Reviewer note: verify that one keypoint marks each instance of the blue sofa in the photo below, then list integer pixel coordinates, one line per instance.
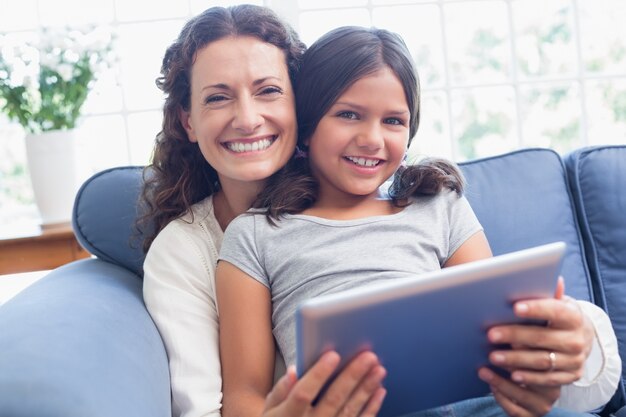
(80, 342)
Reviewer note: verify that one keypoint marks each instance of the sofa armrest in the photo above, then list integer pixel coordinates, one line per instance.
(80, 343)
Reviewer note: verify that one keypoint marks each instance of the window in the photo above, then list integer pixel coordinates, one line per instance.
(496, 75)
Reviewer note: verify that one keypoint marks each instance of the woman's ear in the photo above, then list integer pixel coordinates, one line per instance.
(185, 121)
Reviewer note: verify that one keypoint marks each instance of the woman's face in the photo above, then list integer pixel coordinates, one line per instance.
(242, 112)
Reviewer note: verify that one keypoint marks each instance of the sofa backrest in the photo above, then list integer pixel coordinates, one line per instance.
(522, 199)
(104, 216)
(597, 178)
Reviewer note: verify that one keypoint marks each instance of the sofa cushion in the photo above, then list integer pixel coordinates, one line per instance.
(598, 180)
(104, 216)
(522, 200)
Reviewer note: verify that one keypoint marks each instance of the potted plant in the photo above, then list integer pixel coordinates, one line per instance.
(43, 86)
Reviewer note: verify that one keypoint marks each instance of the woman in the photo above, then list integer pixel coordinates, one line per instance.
(229, 103)
(229, 123)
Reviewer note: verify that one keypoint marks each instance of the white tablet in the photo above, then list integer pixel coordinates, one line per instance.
(429, 332)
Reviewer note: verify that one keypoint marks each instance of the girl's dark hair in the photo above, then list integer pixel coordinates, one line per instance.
(179, 175)
(329, 67)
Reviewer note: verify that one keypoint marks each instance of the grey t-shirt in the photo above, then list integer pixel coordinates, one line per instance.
(307, 256)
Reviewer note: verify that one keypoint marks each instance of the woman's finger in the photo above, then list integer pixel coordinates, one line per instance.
(509, 407)
(514, 397)
(548, 379)
(559, 313)
(537, 360)
(528, 337)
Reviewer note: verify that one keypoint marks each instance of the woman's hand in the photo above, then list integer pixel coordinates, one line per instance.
(520, 400)
(357, 390)
(542, 358)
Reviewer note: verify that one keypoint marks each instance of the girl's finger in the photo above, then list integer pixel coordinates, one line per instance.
(373, 406)
(308, 387)
(281, 389)
(349, 380)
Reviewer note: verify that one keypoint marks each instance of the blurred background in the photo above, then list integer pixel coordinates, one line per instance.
(497, 75)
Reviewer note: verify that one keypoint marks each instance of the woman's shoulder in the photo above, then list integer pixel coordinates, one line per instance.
(198, 226)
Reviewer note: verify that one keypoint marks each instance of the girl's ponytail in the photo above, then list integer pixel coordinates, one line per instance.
(428, 177)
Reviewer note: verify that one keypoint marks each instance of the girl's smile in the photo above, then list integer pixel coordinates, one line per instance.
(360, 142)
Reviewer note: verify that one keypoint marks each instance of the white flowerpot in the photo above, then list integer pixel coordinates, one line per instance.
(52, 164)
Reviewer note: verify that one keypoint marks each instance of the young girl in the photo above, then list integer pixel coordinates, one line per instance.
(322, 225)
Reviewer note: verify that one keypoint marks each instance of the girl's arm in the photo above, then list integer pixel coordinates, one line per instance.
(474, 248)
(246, 343)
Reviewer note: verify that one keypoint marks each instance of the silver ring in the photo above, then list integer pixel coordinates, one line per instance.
(552, 357)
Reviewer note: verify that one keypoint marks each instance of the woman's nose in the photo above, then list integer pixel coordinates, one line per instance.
(247, 117)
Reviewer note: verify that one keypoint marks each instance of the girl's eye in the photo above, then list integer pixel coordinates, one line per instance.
(271, 90)
(348, 115)
(217, 98)
(394, 121)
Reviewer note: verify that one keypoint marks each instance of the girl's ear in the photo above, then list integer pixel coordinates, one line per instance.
(185, 121)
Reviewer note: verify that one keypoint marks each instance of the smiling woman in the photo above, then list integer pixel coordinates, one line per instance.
(229, 124)
(242, 116)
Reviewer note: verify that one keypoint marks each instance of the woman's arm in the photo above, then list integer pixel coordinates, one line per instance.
(178, 291)
(246, 342)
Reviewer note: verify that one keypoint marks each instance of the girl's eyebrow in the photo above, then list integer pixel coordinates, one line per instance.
(223, 86)
(361, 108)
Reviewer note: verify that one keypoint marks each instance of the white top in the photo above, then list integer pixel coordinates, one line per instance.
(179, 292)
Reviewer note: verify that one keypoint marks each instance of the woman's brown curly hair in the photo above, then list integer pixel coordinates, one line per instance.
(179, 175)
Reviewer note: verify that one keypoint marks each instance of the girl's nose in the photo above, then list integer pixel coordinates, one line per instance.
(247, 117)
(370, 138)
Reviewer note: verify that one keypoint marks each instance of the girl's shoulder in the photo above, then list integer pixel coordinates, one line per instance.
(445, 197)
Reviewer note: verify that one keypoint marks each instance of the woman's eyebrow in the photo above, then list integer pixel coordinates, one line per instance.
(264, 79)
(220, 86)
(223, 86)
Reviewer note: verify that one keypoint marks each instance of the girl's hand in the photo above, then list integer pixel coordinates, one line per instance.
(357, 390)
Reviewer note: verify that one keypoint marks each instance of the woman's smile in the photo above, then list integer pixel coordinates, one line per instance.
(241, 146)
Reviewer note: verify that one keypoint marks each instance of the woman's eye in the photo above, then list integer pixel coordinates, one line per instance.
(394, 121)
(271, 90)
(348, 115)
(215, 99)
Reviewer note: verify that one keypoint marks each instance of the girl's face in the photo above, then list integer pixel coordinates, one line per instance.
(360, 142)
(242, 111)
